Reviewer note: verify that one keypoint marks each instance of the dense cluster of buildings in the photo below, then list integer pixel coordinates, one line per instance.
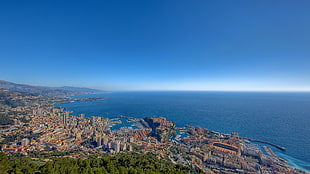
(42, 127)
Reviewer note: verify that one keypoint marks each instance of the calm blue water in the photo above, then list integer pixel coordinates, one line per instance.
(281, 118)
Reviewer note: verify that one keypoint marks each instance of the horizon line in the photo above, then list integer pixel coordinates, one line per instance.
(297, 91)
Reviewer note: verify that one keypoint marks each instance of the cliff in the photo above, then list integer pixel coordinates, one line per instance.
(162, 129)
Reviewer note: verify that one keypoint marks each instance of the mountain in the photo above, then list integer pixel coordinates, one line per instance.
(14, 99)
(47, 91)
(78, 89)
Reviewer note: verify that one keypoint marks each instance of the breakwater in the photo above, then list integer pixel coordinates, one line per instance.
(266, 142)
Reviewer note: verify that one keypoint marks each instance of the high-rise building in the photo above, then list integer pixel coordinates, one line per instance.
(78, 135)
(65, 118)
(105, 141)
(39, 111)
(99, 141)
(93, 120)
(116, 145)
(130, 148)
(25, 141)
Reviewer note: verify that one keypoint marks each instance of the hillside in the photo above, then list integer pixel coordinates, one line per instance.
(13, 98)
(104, 164)
(77, 89)
(47, 91)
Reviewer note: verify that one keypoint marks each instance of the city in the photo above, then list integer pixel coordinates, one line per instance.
(40, 127)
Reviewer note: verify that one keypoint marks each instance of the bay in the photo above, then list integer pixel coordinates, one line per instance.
(279, 117)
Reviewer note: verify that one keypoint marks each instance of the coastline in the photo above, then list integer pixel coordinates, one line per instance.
(73, 100)
(269, 151)
(110, 113)
(51, 128)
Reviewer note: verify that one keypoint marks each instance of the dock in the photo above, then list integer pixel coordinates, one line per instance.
(266, 142)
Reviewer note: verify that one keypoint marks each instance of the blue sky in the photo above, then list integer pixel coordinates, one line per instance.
(157, 45)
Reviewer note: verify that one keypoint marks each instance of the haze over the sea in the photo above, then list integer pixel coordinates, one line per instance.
(157, 45)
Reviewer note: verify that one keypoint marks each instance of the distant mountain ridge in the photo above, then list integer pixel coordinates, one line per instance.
(71, 88)
(48, 91)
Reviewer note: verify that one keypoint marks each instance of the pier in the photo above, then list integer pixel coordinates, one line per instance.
(266, 142)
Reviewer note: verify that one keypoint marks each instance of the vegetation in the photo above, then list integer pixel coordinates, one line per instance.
(5, 120)
(130, 163)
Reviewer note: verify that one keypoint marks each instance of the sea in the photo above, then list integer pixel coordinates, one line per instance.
(282, 118)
